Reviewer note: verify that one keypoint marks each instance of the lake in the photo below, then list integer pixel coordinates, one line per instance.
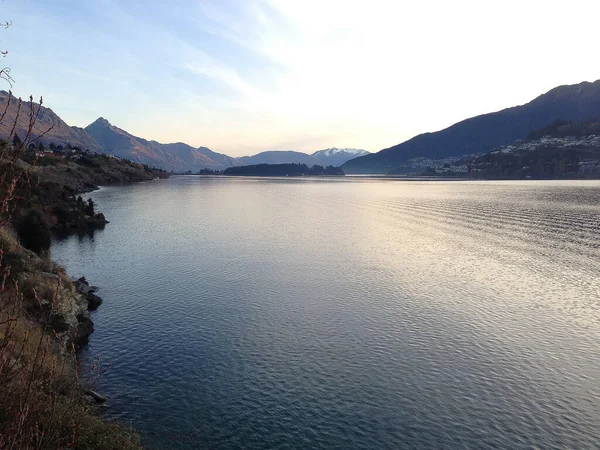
(348, 313)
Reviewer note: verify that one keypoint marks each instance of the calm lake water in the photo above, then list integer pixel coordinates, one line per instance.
(348, 313)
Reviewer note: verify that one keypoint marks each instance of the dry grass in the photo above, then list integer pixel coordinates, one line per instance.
(42, 398)
(8, 239)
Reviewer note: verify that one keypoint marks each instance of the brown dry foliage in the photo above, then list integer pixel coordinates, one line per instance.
(42, 398)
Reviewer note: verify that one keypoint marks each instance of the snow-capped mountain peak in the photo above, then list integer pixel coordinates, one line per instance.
(334, 151)
(337, 156)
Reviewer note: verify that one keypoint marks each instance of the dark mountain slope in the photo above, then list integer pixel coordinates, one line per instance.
(484, 133)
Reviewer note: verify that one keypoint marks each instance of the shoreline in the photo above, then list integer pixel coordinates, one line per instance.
(39, 299)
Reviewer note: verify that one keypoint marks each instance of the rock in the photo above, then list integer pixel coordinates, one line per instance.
(85, 327)
(83, 286)
(93, 301)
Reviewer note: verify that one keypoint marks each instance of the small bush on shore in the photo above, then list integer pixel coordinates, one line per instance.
(34, 232)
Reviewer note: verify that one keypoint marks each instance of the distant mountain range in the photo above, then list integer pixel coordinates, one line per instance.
(103, 137)
(279, 157)
(484, 133)
(329, 157)
(178, 157)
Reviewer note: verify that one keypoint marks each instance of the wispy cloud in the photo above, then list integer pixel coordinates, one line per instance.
(241, 76)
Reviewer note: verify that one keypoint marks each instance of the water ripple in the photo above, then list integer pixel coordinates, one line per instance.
(249, 313)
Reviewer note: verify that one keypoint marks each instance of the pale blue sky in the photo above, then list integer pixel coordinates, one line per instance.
(242, 76)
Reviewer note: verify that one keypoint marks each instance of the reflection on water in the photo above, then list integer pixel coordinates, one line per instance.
(82, 234)
(348, 313)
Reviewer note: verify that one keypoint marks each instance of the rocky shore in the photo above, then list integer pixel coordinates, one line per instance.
(48, 295)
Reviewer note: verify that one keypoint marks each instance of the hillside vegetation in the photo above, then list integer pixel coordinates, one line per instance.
(56, 178)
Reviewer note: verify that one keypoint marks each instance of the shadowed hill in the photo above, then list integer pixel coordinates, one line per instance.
(483, 133)
(564, 128)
